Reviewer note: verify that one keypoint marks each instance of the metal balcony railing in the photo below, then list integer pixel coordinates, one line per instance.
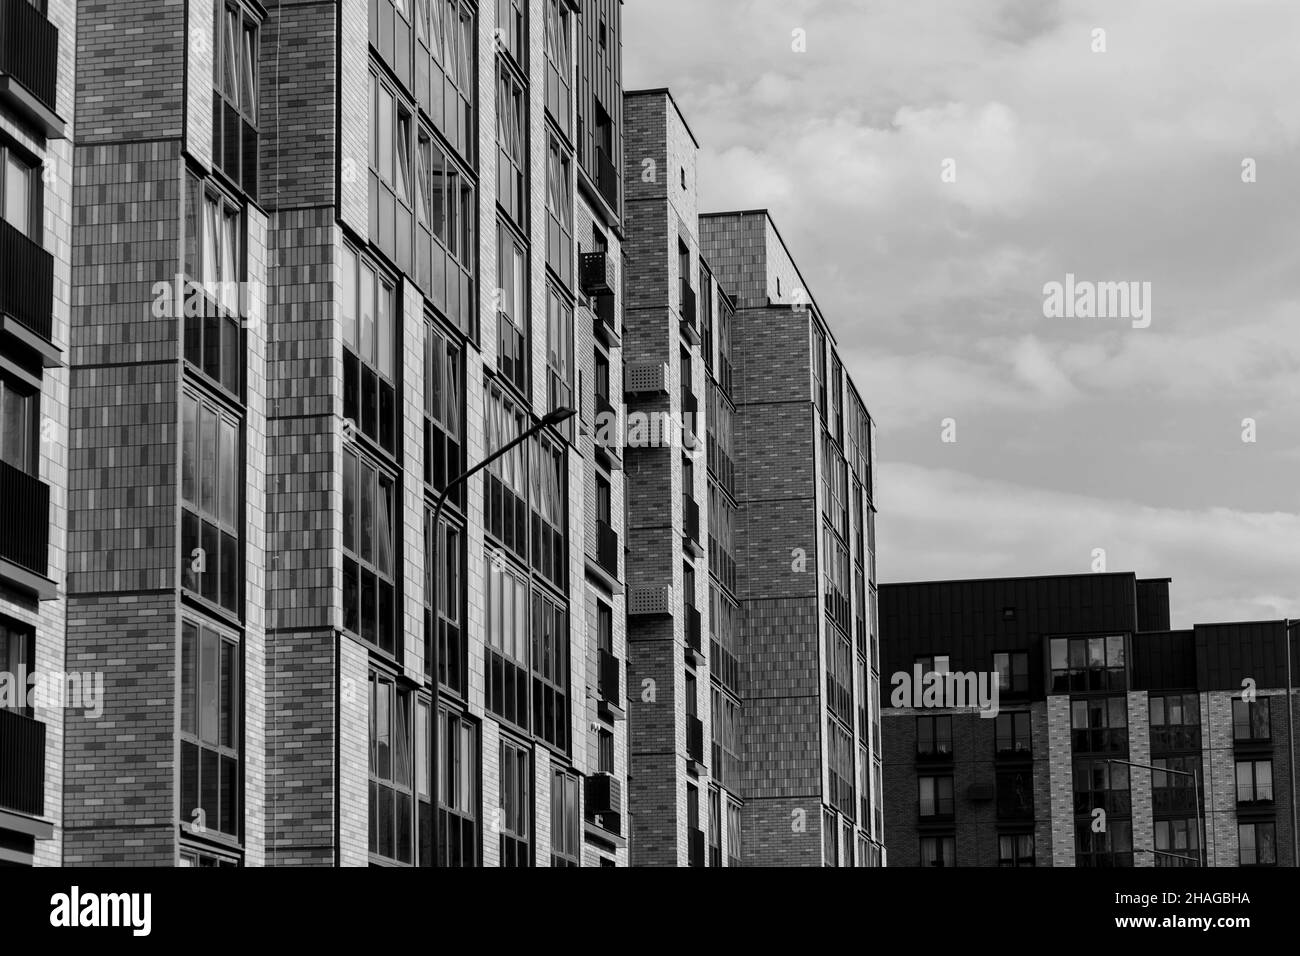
(29, 49)
(27, 291)
(22, 764)
(24, 519)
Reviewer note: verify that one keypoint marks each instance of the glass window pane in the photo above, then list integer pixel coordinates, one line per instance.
(228, 487)
(208, 462)
(208, 674)
(367, 332)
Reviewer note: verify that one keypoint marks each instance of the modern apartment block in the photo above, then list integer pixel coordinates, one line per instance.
(1116, 741)
(327, 257)
(37, 73)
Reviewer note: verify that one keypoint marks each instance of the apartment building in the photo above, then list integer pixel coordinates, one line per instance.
(1114, 742)
(328, 258)
(37, 74)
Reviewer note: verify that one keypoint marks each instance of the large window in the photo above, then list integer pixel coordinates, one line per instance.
(1100, 784)
(733, 834)
(1254, 781)
(559, 354)
(1177, 843)
(391, 810)
(726, 736)
(505, 487)
(935, 796)
(445, 68)
(1257, 844)
(1172, 786)
(458, 774)
(512, 30)
(392, 187)
(369, 594)
(19, 410)
(234, 96)
(210, 498)
(20, 192)
(1175, 722)
(722, 545)
(507, 642)
(835, 498)
(559, 211)
(512, 147)
(1016, 849)
(1088, 663)
(210, 705)
(443, 579)
(839, 675)
(835, 580)
(566, 844)
(934, 736)
(369, 350)
(513, 354)
(549, 498)
(1250, 720)
(446, 212)
(1112, 847)
(719, 428)
(724, 665)
(1011, 733)
(939, 851)
(515, 803)
(444, 412)
(550, 666)
(840, 750)
(559, 62)
(819, 367)
(1012, 668)
(213, 242)
(1099, 724)
(1015, 789)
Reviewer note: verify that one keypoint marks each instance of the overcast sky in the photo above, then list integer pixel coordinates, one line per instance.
(1124, 165)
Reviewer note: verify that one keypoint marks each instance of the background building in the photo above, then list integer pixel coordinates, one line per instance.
(38, 42)
(1094, 690)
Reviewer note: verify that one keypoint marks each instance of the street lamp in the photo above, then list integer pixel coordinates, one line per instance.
(555, 417)
(1196, 797)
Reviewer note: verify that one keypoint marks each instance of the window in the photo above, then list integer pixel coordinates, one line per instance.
(1088, 663)
(1015, 790)
(1111, 847)
(1172, 786)
(566, 844)
(559, 355)
(513, 355)
(18, 658)
(722, 520)
(19, 411)
(1099, 724)
(507, 642)
(819, 368)
(446, 210)
(1012, 734)
(548, 504)
(515, 804)
(559, 62)
(715, 827)
(505, 487)
(1177, 843)
(189, 857)
(1175, 722)
(369, 350)
(512, 30)
(835, 497)
(392, 186)
(234, 96)
(604, 751)
(935, 796)
(733, 834)
(213, 242)
(445, 68)
(836, 582)
(1256, 844)
(390, 32)
(1013, 673)
(1016, 849)
(839, 745)
(559, 211)
(512, 148)
(839, 675)
(550, 672)
(211, 475)
(933, 664)
(443, 579)
(444, 412)
(835, 420)
(939, 851)
(391, 810)
(1254, 781)
(720, 426)
(1098, 783)
(724, 666)
(20, 192)
(369, 593)
(457, 791)
(694, 836)
(830, 839)
(1250, 719)
(934, 736)
(210, 705)
(726, 734)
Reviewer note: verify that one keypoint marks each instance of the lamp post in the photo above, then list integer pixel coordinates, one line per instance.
(1196, 797)
(555, 417)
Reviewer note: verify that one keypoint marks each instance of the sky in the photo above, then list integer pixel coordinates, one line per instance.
(934, 165)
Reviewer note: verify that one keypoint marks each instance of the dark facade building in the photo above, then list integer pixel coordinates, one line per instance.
(1115, 742)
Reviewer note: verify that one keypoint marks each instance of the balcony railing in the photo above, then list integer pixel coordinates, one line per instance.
(22, 764)
(695, 739)
(596, 274)
(605, 319)
(608, 677)
(607, 548)
(29, 49)
(24, 519)
(606, 178)
(27, 292)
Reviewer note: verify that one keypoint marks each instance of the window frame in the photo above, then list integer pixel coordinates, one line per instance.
(194, 513)
(226, 744)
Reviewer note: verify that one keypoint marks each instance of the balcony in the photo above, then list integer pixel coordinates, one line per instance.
(645, 379)
(695, 847)
(694, 640)
(604, 800)
(22, 764)
(691, 525)
(607, 178)
(29, 64)
(596, 274)
(604, 321)
(690, 319)
(650, 602)
(695, 744)
(25, 531)
(607, 549)
(27, 305)
(609, 684)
